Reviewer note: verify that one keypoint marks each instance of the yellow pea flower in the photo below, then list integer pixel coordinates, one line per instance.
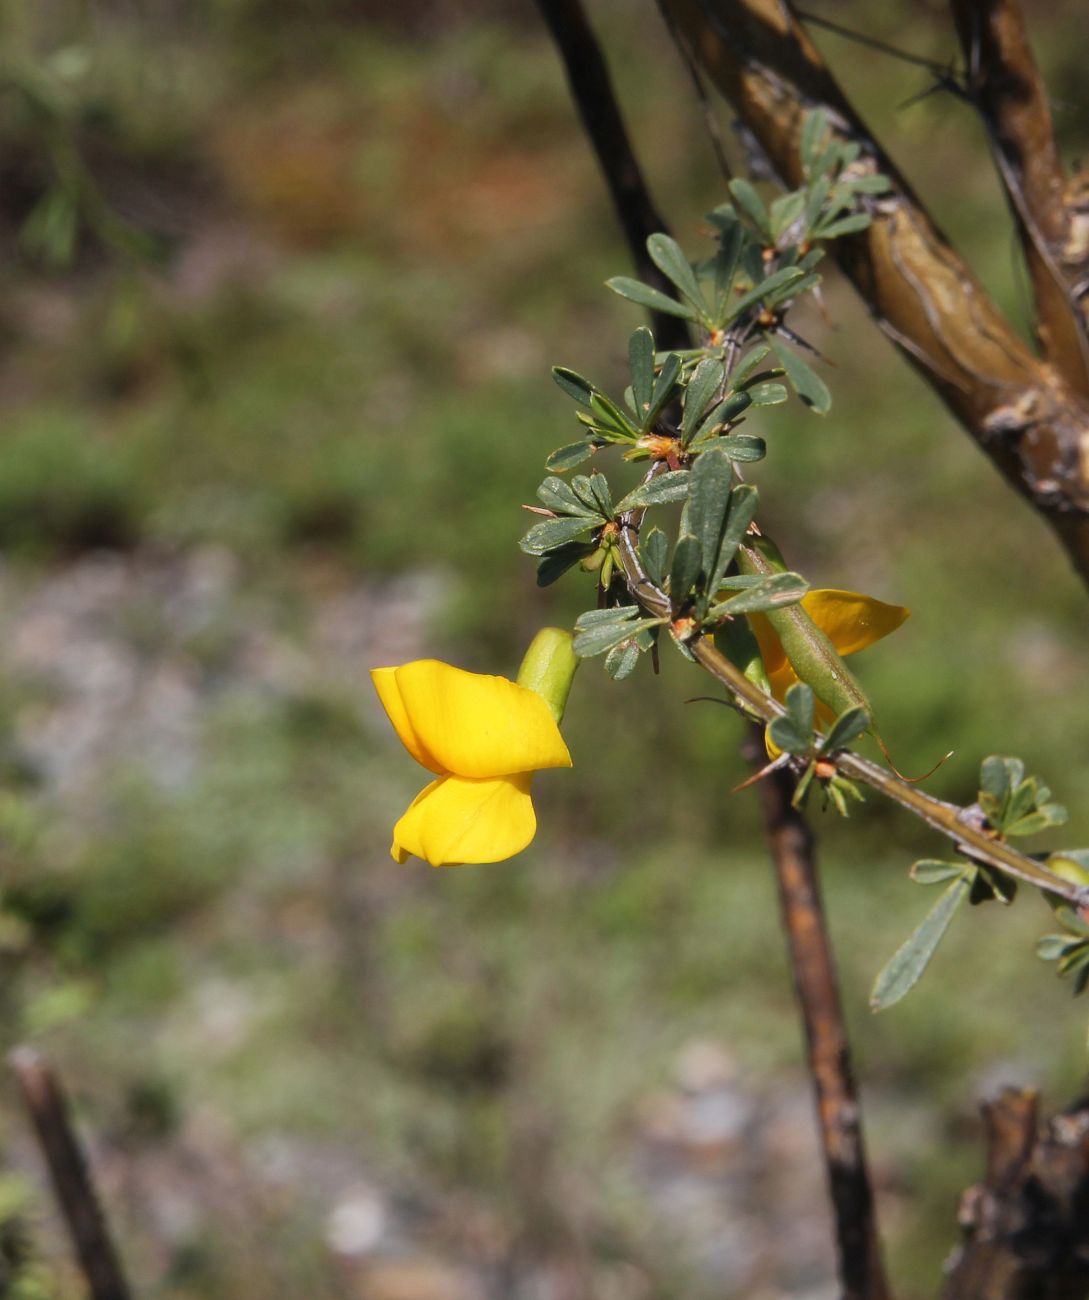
(483, 737)
(850, 621)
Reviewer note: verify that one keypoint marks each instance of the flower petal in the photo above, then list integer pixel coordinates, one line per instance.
(385, 683)
(850, 621)
(454, 820)
(771, 648)
(474, 725)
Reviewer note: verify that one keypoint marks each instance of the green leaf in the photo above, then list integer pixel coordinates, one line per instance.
(599, 630)
(767, 394)
(641, 360)
(909, 961)
(667, 256)
(932, 871)
(772, 592)
(701, 392)
(654, 549)
(1051, 814)
(743, 447)
(574, 453)
(599, 486)
(550, 533)
(573, 384)
(657, 491)
(558, 496)
(742, 508)
(794, 731)
(844, 226)
(850, 724)
(1050, 947)
(782, 279)
(801, 708)
(785, 211)
(724, 264)
(747, 365)
(721, 415)
(814, 132)
(611, 416)
(637, 292)
(751, 204)
(663, 388)
(709, 504)
(555, 563)
(684, 570)
(998, 775)
(621, 660)
(807, 383)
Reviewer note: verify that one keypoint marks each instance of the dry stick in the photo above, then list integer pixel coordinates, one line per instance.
(790, 842)
(592, 91)
(1006, 86)
(45, 1101)
(1025, 416)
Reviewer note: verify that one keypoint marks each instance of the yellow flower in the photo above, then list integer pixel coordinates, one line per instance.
(483, 737)
(850, 621)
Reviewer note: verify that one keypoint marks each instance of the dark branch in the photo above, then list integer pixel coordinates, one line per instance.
(839, 1113)
(592, 91)
(45, 1102)
(1027, 1224)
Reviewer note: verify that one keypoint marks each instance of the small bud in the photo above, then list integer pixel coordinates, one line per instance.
(549, 668)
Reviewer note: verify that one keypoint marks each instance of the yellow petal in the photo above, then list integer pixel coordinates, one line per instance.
(850, 621)
(476, 726)
(385, 683)
(454, 821)
(771, 648)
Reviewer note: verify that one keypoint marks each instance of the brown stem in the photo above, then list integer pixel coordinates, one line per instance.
(592, 91)
(47, 1106)
(1007, 88)
(839, 1115)
(1026, 417)
(1026, 1225)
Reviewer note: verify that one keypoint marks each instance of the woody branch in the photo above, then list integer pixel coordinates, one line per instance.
(1026, 415)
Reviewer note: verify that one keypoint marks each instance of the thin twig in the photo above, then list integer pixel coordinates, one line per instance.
(949, 819)
(839, 1114)
(592, 91)
(47, 1106)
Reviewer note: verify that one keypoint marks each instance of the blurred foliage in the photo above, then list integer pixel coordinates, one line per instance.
(378, 232)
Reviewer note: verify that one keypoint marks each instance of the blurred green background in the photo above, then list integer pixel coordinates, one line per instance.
(285, 440)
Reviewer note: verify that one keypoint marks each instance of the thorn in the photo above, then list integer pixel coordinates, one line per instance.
(766, 770)
(911, 780)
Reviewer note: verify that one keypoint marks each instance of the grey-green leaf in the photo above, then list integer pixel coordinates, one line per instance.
(909, 961)
(751, 204)
(557, 495)
(550, 533)
(684, 570)
(573, 384)
(667, 256)
(768, 593)
(637, 292)
(701, 392)
(850, 724)
(641, 360)
(809, 386)
(657, 491)
(781, 279)
(932, 871)
(654, 548)
(574, 453)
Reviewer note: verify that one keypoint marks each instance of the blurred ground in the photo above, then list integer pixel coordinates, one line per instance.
(293, 448)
